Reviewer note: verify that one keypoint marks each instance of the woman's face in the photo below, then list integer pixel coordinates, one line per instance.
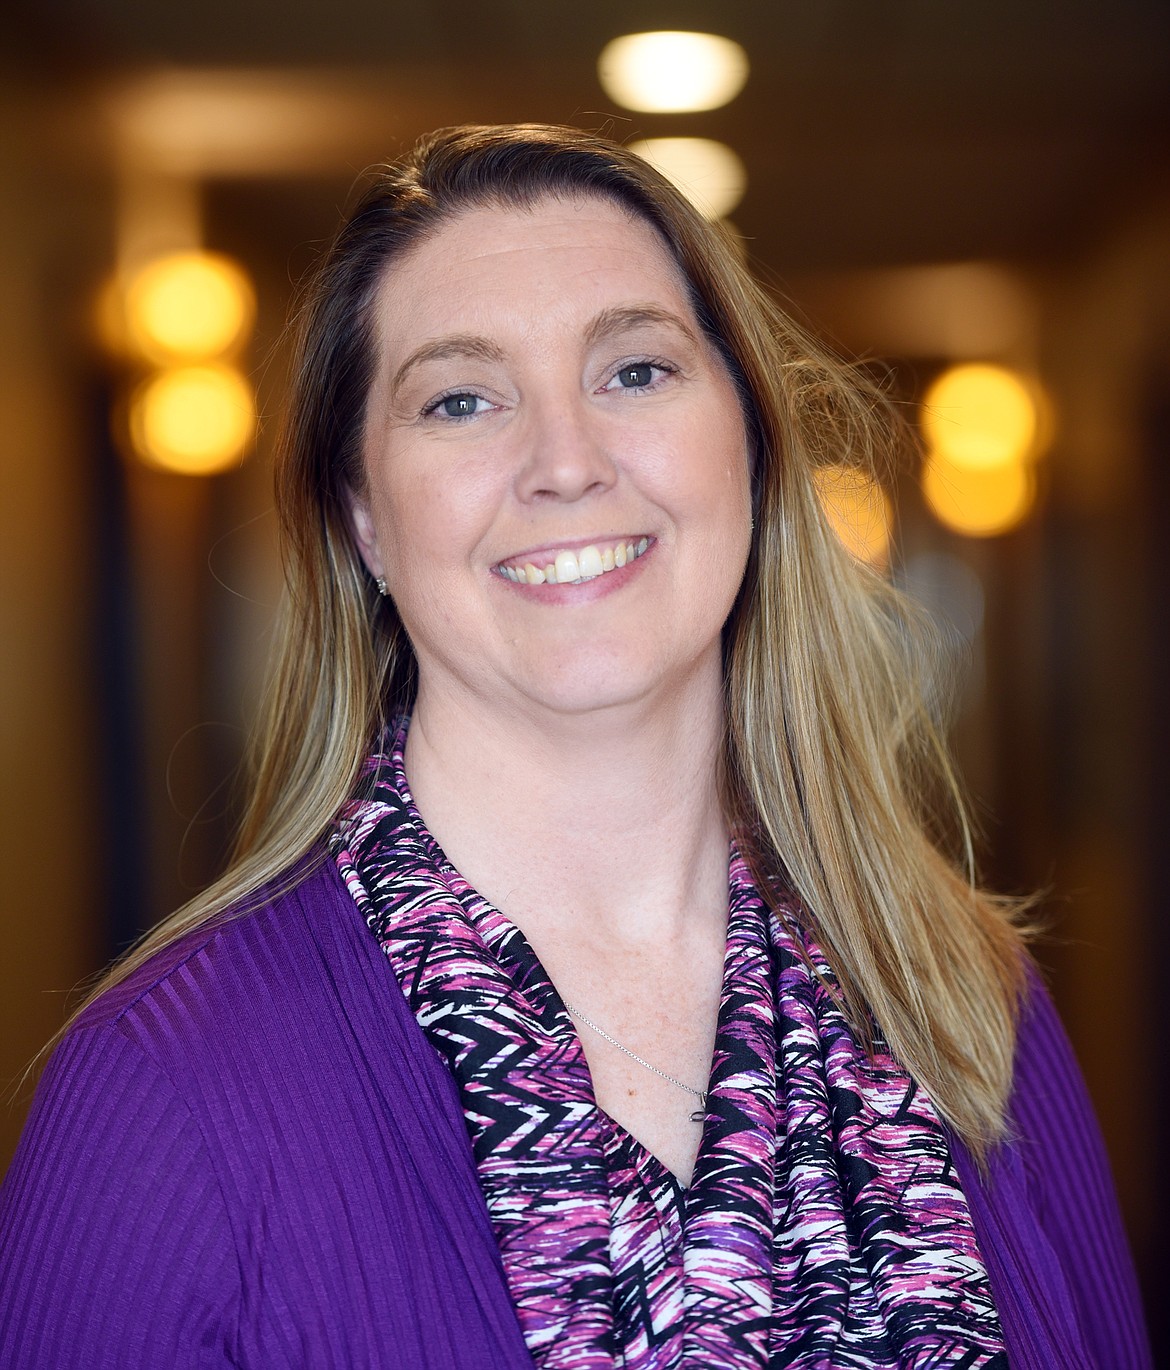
(544, 398)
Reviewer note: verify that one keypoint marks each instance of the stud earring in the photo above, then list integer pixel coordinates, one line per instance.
(381, 584)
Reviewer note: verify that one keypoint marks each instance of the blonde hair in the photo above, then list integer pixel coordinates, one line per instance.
(834, 773)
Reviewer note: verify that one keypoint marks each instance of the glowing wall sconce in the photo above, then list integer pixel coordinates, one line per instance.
(708, 173)
(188, 306)
(976, 502)
(672, 72)
(982, 416)
(196, 420)
(859, 512)
(984, 427)
(185, 314)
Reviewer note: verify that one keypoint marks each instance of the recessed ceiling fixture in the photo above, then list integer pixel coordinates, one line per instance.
(708, 173)
(672, 72)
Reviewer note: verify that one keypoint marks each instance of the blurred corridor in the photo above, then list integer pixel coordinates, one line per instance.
(930, 186)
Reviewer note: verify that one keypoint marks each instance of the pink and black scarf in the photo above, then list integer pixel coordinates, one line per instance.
(824, 1226)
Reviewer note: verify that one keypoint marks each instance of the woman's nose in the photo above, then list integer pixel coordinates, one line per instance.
(566, 456)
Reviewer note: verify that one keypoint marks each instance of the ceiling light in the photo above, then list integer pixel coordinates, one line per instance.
(671, 72)
(189, 305)
(194, 419)
(981, 416)
(978, 502)
(708, 173)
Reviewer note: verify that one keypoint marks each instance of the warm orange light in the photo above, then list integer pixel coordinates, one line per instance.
(188, 306)
(978, 502)
(193, 419)
(858, 510)
(981, 416)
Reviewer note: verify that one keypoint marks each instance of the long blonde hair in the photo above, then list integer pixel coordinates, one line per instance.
(835, 778)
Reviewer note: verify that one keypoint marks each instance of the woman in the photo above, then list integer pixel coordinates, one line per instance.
(590, 988)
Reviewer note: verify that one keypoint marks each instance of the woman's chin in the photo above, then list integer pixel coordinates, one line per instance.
(583, 697)
(593, 686)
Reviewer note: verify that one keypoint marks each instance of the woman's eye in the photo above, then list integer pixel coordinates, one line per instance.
(639, 376)
(636, 376)
(461, 406)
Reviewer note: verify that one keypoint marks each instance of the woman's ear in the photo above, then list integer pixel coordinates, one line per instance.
(362, 524)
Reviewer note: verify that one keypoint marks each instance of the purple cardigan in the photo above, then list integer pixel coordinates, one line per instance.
(249, 1155)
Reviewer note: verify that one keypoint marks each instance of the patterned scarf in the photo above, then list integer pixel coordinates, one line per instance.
(824, 1225)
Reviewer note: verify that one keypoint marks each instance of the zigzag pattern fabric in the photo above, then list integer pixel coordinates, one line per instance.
(824, 1225)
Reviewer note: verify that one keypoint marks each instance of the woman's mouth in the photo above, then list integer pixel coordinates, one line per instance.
(572, 567)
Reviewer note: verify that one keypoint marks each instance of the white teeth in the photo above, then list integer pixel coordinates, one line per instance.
(589, 562)
(571, 568)
(567, 567)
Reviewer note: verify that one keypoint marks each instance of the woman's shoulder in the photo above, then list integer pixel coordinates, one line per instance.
(234, 1007)
(1047, 1211)
(282, 1007)
(281, 1012)
(1050, 1110)
(249, 968)
(255, 1103)
(242, 1024)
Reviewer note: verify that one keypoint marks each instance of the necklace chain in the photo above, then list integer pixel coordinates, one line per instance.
(699, 1094)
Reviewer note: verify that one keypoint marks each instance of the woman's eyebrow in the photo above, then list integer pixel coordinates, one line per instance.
(619, 319)
(443, 349)
(627, 317)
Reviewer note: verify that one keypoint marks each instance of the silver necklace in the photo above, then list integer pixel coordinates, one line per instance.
(699, 1114)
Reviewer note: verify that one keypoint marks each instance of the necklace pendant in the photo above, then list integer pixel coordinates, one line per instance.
(700, 1114)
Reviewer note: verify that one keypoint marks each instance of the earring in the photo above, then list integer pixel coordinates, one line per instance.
(381, 584)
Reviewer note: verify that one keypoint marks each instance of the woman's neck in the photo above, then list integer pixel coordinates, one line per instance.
(609, 824)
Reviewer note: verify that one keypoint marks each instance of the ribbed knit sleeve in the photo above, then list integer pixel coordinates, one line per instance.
(116, 1246)
(246, 1153)
(1047, 1219)
(1071, 1189)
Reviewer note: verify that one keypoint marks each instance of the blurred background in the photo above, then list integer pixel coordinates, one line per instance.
(973, 197)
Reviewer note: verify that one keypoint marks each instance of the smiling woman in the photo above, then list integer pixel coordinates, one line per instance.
(586, 412)
(589, 988)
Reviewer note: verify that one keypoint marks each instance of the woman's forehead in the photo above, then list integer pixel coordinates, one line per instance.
(524, 284)
(552, 248)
